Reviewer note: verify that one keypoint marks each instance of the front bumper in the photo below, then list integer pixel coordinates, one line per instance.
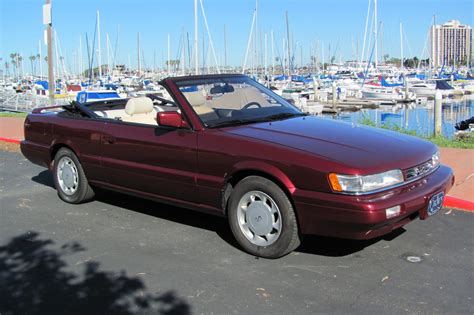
(363, 217)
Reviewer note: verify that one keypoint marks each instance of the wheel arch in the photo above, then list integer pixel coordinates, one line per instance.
(246, 169)
(55, 147)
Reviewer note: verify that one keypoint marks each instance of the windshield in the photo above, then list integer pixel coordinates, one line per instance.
(224, 101)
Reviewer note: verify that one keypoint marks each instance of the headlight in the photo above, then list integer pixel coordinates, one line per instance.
(356, 184)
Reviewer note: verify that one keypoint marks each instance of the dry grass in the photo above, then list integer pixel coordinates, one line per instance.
(9, 147)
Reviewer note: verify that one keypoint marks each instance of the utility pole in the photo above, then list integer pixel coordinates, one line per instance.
(47, 20)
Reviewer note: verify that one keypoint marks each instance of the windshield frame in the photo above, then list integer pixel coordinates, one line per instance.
(180, 82)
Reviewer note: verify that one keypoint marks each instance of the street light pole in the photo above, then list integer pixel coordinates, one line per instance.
(47, 20)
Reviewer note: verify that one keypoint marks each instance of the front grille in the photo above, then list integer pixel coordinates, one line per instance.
(420, 170)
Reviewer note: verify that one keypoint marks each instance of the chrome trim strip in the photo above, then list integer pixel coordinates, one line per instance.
(419, 170)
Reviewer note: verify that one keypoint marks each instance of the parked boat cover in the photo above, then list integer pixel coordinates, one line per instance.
(443, 85)
(44, 84)
(386, 84)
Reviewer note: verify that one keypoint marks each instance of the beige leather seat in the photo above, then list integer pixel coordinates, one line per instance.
(198, 102)
(140, 110)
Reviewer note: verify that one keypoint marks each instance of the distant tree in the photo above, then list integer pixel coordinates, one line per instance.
(7, 67)
(32, 62)
(394, 61)
(411, 62)
(14, 62)
(19, 59)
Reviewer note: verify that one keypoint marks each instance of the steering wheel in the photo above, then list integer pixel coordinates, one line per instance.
(252, 104)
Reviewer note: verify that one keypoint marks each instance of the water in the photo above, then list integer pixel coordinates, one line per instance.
(419, 118)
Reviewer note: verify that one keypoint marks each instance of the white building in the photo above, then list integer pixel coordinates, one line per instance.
(451, 44)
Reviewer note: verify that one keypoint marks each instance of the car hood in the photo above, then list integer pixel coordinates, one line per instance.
(359, 147)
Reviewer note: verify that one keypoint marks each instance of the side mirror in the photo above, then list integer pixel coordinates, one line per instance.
(171, 119)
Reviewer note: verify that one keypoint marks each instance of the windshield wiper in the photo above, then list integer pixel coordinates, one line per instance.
(232, 122)
(282, 116)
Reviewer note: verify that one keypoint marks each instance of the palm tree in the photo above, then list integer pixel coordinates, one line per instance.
(32, 60)
(14, 62)
(7, 67)
(20, 62)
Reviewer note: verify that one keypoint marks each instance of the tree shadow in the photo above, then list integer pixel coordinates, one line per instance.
(34, 280)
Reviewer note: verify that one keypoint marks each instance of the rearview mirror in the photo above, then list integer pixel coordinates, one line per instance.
(171, 119)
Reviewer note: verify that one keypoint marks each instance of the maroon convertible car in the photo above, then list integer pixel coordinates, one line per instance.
(226, 145)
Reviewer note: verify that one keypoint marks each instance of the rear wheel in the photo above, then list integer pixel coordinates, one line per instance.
(69, 178)
(262, 218)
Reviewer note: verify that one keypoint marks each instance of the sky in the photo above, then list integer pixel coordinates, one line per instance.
(313, 23)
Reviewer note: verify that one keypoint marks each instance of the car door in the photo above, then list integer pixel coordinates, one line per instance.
(154, 160)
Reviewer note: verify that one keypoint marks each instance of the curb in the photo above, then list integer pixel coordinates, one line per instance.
(453, 202)
(10, 140)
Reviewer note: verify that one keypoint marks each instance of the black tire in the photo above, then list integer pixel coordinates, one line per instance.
(83, 191)
(288, 239)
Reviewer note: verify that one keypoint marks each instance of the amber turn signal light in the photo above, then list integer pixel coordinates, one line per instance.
(334, 181)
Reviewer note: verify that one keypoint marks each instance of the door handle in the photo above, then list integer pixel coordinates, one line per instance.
(109, 139)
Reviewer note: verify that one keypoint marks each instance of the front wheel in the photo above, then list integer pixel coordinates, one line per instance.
(69, 178)
(262, 218)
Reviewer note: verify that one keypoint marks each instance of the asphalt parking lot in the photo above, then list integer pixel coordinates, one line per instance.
(122, 255)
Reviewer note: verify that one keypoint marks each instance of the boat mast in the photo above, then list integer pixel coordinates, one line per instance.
(169, 56)
(401, 45)
(108, 52)
(265, 58)
(40, 61)
(273, 54)
(375, 34)
(211, 44)
(225, 48)
(58, 69)
(248, 43)
(138, 54)
(99, 59)
(196, 48)
(365, 32)
(289, 49)
(183, 51)
(255, 43)
(80, 56)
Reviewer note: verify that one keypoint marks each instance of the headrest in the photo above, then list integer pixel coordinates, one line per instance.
(195, 98)
(139, 105)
